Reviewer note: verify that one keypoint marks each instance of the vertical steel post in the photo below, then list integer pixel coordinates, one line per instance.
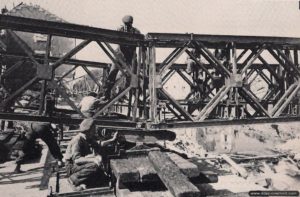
(145, 84)
(136, 95)
(44, 82)
(152, 83)
(233, 59)
(296, 61)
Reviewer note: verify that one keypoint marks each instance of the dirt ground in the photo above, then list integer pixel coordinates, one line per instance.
(25, 184)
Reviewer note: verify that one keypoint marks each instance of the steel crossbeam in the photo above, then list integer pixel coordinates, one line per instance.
(62, 92)
(199, 63)
(27, 50)
(287, 101)
(211, 41)
(67, 61)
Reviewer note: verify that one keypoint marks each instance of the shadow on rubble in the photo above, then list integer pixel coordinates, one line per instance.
(21, 177)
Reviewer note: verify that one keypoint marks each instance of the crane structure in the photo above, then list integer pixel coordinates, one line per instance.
(222, 86)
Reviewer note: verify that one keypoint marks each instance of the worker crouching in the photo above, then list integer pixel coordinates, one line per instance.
(83, 162)
(34, 131)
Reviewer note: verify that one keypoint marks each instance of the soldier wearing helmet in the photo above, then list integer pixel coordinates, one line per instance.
(126, 52)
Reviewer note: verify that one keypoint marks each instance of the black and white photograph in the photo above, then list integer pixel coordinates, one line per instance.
(149, 98)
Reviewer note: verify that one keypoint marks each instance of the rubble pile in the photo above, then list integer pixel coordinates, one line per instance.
(269, 153)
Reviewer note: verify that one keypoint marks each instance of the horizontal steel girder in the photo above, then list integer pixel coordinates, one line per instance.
(103, 122)
(67, 30)
(68, 61)
(173, 40)
(218, 122)
(118, 123)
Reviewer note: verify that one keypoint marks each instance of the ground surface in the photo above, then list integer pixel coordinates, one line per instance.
(251, 140)
(25, 184)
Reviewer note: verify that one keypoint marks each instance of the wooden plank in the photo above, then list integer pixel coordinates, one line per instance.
(125, 170)
(187, 167)
(177, 183)
(238, 168)
(146, 170)
(192, 171)
(147, 173)
(134, 169)
(47, 172)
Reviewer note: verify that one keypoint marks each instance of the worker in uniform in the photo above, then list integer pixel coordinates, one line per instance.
(192, 66)
(83, 161)
(89, 104)
(126, 52)
(198, 77)
(44, 131)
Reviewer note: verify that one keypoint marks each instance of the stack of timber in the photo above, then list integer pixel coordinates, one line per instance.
(141, 171)
(157, 173)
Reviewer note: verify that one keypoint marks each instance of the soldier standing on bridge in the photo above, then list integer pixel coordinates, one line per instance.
(126, 52)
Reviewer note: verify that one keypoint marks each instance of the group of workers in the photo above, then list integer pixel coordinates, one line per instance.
(82, 159)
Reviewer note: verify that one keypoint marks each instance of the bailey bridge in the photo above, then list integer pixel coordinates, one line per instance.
(224, 95)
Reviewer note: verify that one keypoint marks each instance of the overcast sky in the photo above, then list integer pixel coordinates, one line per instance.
(236, 17)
